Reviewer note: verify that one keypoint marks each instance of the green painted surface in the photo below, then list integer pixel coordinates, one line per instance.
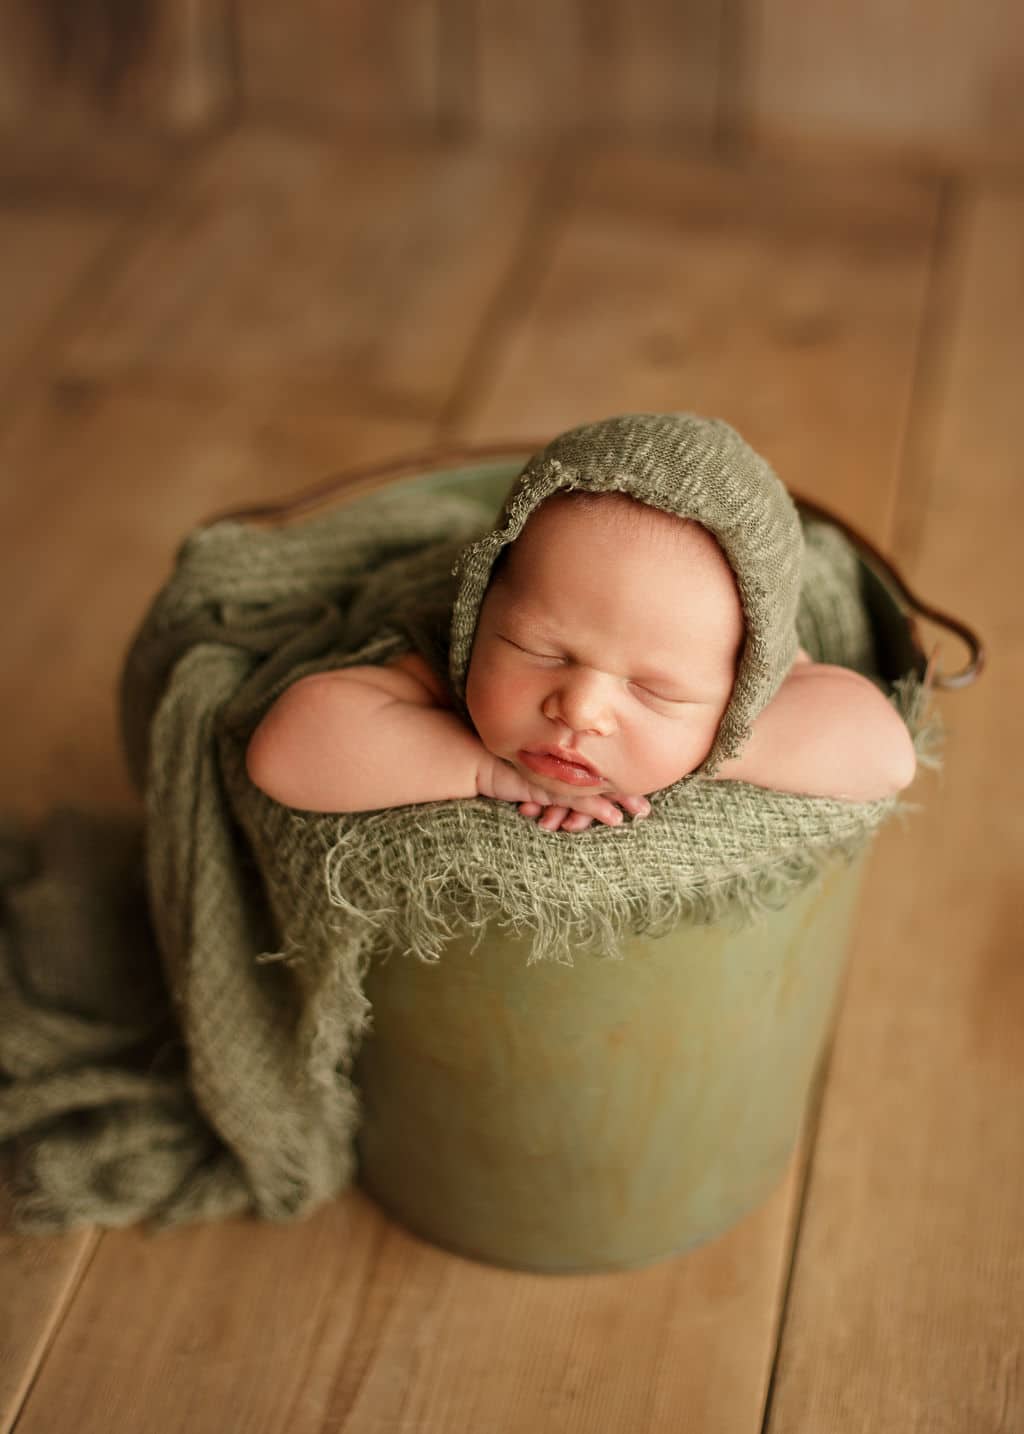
(605, 1114)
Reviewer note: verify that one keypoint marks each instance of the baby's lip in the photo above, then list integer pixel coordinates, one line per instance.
(548, 758)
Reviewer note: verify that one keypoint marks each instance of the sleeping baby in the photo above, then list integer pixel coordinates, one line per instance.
(629, 625)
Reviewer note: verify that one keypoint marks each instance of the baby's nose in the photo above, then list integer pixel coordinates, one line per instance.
(583, 703)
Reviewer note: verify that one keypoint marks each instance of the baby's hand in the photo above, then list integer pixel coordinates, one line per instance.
(578, 817)
(496, 778)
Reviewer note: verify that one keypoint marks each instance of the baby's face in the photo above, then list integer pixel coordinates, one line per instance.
(606, 649)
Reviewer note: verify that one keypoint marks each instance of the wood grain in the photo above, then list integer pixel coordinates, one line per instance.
(944, 79)
(908, 1299)
(38, 1278)
(788, 302)
(103, 487)
(46, 252)
(309, 268)
(348, 1323)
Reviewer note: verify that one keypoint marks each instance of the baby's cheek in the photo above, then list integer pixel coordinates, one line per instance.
(666, 754)
(492, 709)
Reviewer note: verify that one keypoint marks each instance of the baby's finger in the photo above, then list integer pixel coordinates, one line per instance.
(601, 810)
(577, 822)
(553, 818)
(530, 809)
(636, 806)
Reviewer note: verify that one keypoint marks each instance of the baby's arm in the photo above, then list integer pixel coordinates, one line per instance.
(361, 738)
(828, 732)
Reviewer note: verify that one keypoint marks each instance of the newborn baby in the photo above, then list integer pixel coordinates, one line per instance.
(604, 657)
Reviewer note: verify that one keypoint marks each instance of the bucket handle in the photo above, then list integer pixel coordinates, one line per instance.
(946, 681)
(369, 477)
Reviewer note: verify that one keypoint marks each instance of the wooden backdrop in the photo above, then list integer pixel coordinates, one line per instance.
(936, 79)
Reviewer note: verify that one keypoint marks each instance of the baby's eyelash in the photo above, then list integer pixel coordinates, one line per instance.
(530, 652)
(658, 696)
(648, 693)
(556, 657)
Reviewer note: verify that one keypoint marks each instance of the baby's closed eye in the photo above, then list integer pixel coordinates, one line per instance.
(650, 694)
(532, 652)
(645, 691)
(660, 700)
(650, 691)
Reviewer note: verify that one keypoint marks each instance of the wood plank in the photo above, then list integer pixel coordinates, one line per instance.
(374, 66)
(624, 69)
(935, 79)
(346, 1322)
(46, 250)
(786, 301)
(294, 265)
(104, 487)
(908, 1298)
(115, 167)
(45, 1274)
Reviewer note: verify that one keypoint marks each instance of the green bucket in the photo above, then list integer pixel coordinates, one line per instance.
(607, 1113)
(604, 1114)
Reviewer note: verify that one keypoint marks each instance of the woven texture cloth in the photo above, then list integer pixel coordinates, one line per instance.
(180, 1047)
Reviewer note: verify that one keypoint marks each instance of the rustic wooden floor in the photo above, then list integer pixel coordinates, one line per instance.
(229, 324)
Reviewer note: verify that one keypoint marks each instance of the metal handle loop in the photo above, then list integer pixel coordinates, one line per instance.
(945, 681)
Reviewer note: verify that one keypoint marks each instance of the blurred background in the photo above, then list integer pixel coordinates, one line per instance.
(944, 80)
(248, 243)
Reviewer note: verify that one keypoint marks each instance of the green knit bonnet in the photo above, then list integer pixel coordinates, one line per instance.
(697, 468)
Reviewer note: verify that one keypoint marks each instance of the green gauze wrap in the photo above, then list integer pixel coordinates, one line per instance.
(693, 467)
(178, 1033)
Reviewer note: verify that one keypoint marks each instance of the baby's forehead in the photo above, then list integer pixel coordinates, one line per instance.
(616, 508)
(567, 520)
(607, 559)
